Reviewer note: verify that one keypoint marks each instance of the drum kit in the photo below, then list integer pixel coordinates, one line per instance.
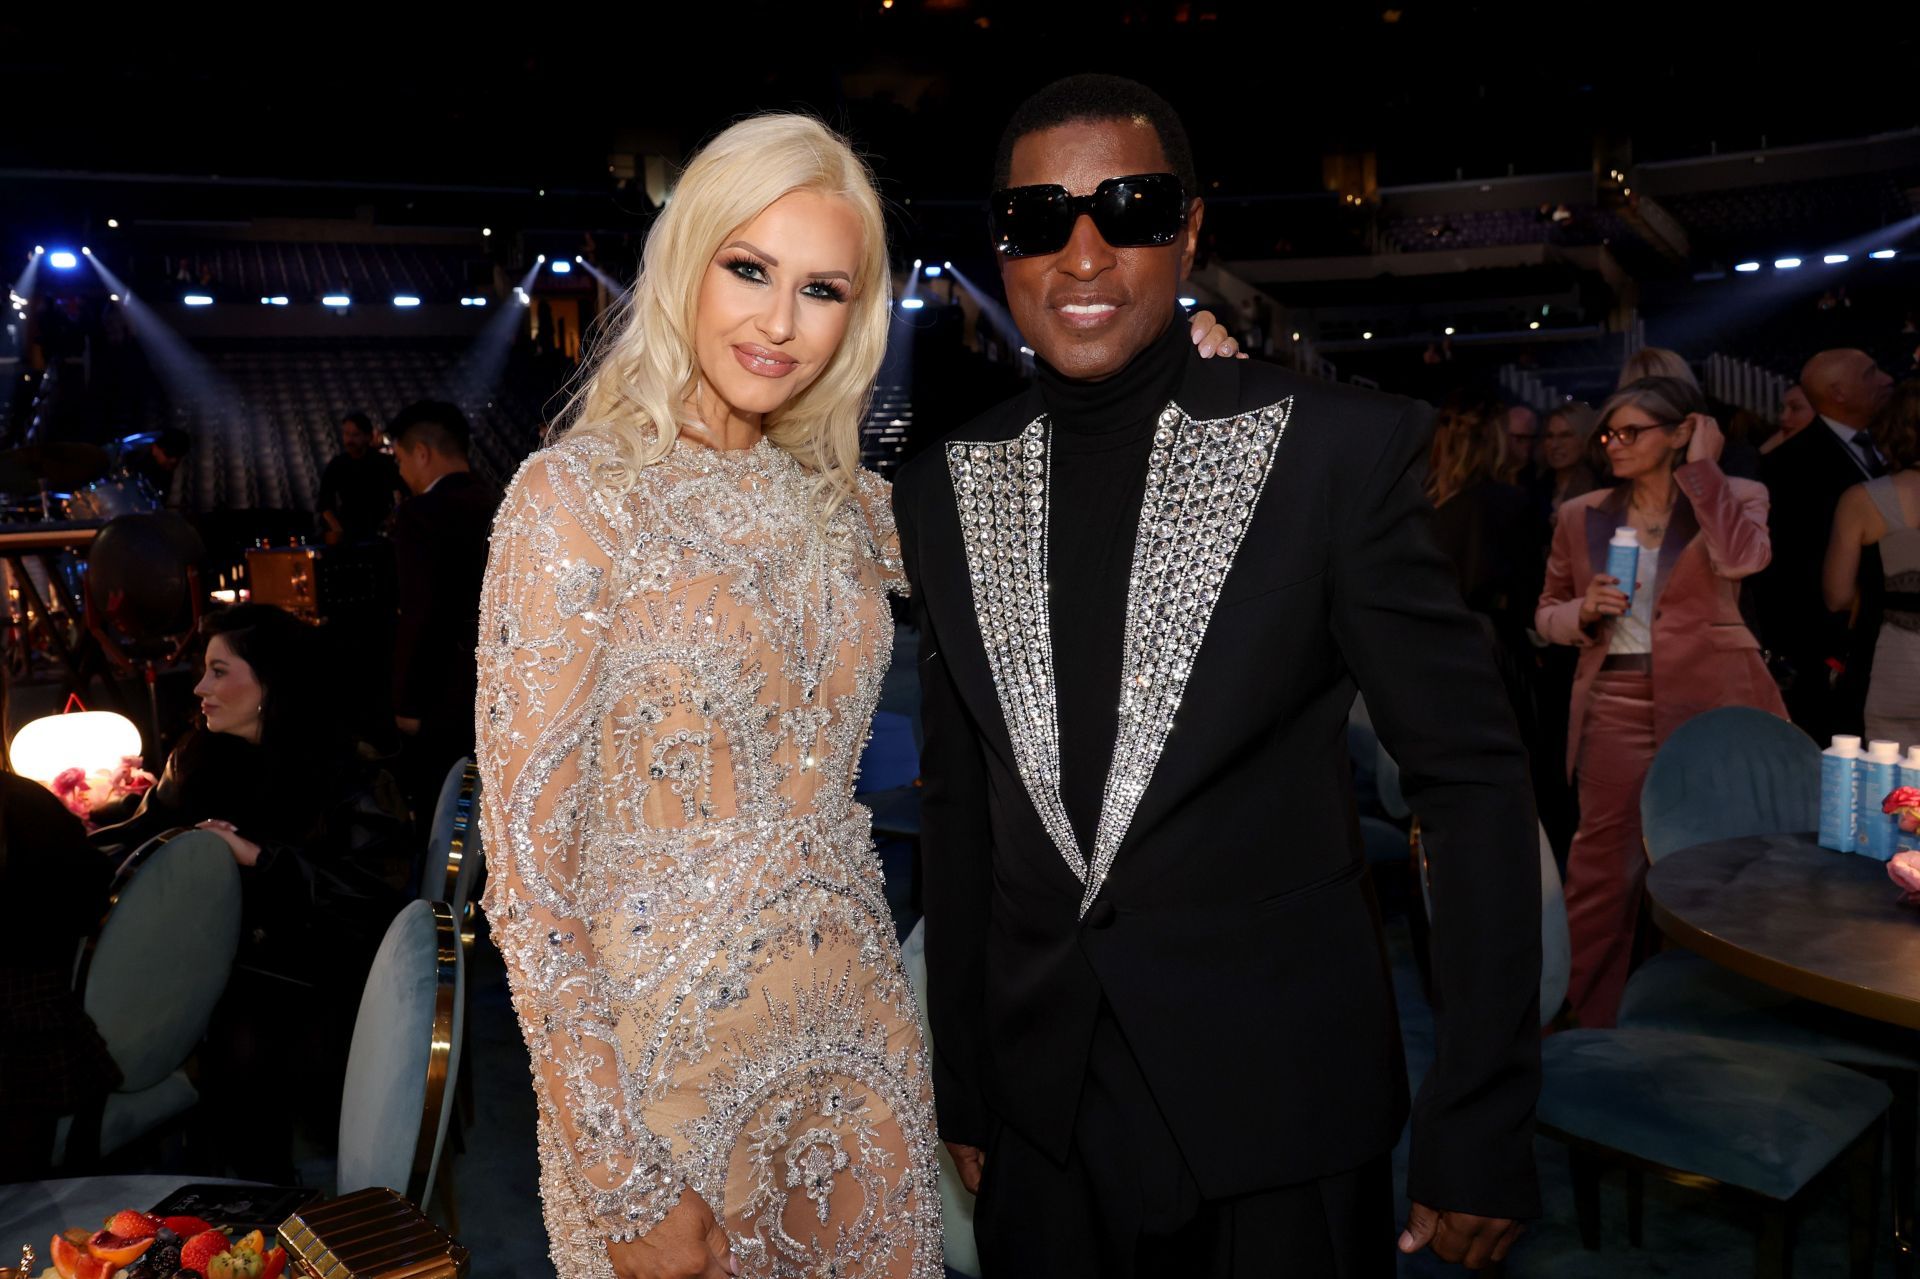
(56, 501)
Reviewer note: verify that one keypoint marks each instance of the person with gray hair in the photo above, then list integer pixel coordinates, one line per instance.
(1827, 688)
(1564, 473)
(1653, 653)
(1656, 361)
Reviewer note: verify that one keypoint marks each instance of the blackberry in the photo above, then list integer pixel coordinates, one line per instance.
(163, 1259)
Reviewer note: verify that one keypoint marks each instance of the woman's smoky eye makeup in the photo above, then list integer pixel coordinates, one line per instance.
(755, 272)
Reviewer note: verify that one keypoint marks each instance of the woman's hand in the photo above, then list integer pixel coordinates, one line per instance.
(245, 851)
(687, 1244)
(1604, 599)
(1708, 440)
(1213, 339)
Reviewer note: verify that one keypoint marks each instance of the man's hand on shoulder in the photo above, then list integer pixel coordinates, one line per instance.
(1458, 1236)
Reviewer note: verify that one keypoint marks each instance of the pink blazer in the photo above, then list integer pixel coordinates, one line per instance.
(1703, 654)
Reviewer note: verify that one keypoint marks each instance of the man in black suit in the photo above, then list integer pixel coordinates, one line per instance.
(1164, 1031)
(440, 548)
(1805, 477)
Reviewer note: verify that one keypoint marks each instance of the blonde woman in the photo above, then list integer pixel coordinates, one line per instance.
(682, 637)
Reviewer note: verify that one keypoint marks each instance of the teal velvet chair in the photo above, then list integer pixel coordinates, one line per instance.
(454, 817)
(956, 1205)
(398, 1100)
(1762, 1127)
(1726, 774)
(149, 978)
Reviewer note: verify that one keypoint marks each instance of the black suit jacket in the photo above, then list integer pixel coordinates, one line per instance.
(1805, 478)
(440, 547)
(1242, 953)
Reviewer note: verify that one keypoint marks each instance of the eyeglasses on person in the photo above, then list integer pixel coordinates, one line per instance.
(1627, 435)
(1139, 211)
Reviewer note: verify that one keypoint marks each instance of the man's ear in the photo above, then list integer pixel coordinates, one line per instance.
(1196, 213)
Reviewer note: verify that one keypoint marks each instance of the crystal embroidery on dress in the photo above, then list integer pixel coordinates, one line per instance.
(675, 687)
(1203, 480)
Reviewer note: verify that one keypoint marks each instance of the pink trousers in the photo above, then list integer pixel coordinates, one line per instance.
(1607, 864)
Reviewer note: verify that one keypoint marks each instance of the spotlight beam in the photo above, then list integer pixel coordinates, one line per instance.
(991, 310)
(472, 382)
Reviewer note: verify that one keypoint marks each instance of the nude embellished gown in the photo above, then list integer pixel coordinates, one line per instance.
(676, 682)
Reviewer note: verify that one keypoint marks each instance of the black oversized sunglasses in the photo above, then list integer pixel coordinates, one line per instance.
(1132, 212)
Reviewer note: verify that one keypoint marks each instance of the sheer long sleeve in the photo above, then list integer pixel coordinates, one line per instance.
(543, 626)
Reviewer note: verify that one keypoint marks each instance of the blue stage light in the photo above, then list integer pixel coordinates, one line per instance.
(197, 299)
(1785, 264)
(562, 267)
(1747, 267)
(61, 260)
(1834, 259)
(931, 272)
(912, 304)
(1188, 301)
(1884, 255)
(405, 299)
(336, 299)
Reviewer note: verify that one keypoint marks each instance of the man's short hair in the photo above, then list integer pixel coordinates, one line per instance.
(359, 419)
(439, 425)
(1094, 97)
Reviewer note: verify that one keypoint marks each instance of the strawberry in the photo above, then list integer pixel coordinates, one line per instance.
(201, 1249)
(187, 1227)
(133, 1225)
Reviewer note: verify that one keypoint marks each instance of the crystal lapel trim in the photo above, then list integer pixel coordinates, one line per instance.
(1203, 480)
(1001, 491)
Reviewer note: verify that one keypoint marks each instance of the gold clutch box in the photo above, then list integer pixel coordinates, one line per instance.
(369, 1234)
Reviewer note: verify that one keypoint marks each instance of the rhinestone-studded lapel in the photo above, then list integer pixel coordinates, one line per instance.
(1203, 481)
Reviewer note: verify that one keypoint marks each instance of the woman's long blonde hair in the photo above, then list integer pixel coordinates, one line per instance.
(643, 370)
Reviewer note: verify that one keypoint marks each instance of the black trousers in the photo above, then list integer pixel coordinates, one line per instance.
(1125, 1205)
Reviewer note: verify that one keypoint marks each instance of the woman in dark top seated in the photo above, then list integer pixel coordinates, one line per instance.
(53, 890)
(321, 842)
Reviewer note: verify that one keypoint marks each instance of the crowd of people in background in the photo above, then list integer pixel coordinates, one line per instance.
(1779, 568)
(324, 804)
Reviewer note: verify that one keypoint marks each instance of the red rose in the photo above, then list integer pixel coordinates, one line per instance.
(1905, 797)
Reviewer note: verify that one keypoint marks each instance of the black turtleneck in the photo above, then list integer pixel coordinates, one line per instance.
(1102, 432)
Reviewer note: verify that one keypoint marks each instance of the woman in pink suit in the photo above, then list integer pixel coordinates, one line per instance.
(1680, 649)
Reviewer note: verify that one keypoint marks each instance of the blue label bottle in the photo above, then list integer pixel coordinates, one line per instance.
(1882, 775)
(1837, 793)
(1623, 560)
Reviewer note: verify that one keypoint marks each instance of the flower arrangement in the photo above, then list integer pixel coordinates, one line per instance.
(82, 792)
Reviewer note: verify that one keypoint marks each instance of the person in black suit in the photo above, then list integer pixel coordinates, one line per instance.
(1805, 476)
(440, 546)
(1147, 589)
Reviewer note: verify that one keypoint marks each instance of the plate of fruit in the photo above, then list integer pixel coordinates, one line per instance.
(137, 1245)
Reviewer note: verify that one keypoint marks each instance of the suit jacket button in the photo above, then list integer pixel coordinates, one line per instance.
(1102, 915)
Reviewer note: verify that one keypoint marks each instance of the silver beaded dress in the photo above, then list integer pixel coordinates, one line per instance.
(675, 686)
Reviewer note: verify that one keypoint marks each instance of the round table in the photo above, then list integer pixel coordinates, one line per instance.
(1826, 926)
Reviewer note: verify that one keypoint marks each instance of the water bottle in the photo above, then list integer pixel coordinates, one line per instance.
(1882, 774)
(1837, 787)
(1623, 560)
